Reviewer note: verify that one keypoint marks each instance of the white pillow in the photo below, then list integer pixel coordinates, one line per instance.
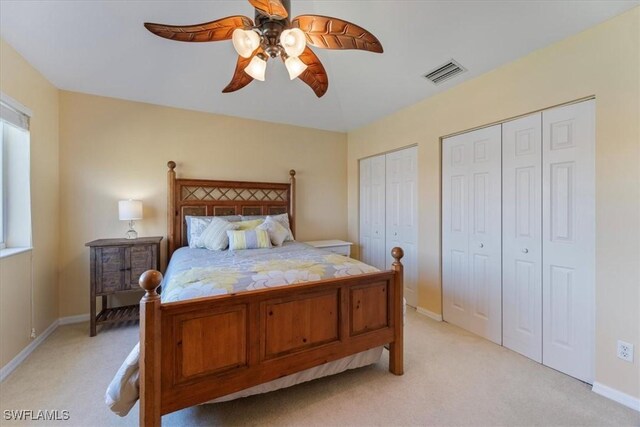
(214, 237)
(277, 232)
(283, 219)
(197, 224)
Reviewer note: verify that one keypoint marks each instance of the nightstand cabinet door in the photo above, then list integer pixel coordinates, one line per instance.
(141, 258)
(110, 268)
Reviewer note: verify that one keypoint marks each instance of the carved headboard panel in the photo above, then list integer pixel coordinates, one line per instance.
(201, 197)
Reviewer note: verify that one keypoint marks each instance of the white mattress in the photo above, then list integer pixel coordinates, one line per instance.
(350, 362)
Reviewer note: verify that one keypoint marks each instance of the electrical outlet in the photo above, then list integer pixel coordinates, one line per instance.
(625, 351)
(33, 333)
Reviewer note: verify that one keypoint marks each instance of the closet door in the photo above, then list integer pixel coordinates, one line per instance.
(365, 211)
(378, 207)
(401, 215)
(471, 238)
(455, 230)
(568, 195)
(485, 233)
(522, 235)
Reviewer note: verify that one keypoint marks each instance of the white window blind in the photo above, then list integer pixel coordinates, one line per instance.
(15, 187)
(12, 115)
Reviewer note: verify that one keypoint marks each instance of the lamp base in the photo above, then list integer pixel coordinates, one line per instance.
(132, 234)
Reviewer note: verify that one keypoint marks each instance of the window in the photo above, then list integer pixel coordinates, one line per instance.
(15, 191)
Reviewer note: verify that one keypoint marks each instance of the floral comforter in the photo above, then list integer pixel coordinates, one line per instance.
(196, 273)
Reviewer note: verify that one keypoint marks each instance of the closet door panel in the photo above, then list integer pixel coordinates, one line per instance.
(456, 162)
(401, 215)
(365, 211)
(569, 238)
(378, 208)
(522, 235)
(485, 230)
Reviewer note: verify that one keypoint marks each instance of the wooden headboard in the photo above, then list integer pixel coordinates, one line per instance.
(203, 197)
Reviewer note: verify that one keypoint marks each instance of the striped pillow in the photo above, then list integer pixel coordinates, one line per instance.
(214, 237)
(248, 239)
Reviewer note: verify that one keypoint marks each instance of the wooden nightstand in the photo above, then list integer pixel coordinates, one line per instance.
(336, 246)
(116, 266)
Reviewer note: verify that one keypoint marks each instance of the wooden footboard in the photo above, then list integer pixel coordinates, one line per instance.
(197, 350)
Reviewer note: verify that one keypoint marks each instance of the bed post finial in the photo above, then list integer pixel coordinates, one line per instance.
(171, 164)
(396, 348)
(397, 254)
(149, 281)
(292, 201)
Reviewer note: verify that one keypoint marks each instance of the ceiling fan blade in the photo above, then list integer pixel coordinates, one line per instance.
(213, 31)
(333, 33)
(315, 75)
(274, 9)
(240, 78)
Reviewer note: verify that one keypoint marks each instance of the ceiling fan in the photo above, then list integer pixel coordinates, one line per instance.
(273, 34)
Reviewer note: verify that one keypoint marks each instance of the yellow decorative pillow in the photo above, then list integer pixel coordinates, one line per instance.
(249, 225)
(248, 239)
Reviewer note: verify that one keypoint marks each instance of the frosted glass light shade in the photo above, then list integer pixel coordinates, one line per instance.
(129, 210)
(245, 41)
(293, 41)
(295, 66)
(257, 68)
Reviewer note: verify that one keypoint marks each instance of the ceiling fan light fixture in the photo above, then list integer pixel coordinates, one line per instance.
(294, 66)
(245, 41)
(257, 68)
(293, 41)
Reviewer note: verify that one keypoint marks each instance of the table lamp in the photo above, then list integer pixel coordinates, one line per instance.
(130, 210)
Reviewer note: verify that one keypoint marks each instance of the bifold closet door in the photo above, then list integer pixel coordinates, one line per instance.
(365, 211)
(401, 215)
(568, 218)
(372, 211)
(471, 232)
(522, 236)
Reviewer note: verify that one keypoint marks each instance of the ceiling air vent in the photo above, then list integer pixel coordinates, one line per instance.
(445, 72)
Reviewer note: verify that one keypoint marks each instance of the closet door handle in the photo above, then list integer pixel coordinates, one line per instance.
(395, 233)
(525, 251)
(481, 245)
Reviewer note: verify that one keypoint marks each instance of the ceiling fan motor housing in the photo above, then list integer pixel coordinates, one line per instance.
(271, 28)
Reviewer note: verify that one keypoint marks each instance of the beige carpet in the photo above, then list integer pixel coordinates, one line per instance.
(451, 378)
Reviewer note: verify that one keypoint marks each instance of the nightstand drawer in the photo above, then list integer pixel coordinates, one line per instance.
(341, 250)
(339, 247)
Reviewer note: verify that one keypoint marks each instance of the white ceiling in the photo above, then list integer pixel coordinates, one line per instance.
(101, 47)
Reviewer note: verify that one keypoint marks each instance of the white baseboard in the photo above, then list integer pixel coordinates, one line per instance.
(16, 361)
(20, 357)
(616, 396)
(429, 314)
(74, 319)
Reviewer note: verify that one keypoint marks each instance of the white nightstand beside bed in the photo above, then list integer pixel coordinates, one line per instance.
(336, 246)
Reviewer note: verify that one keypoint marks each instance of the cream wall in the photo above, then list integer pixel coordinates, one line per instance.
(26, 85)
(602, 61)
(112, 149)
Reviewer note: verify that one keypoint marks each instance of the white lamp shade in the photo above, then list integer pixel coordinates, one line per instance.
(129, 210)
(257, 68)
(295, 66)
(293, 41)
(245, 41)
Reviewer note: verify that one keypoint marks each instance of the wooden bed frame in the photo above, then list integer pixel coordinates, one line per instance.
(197, 350)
